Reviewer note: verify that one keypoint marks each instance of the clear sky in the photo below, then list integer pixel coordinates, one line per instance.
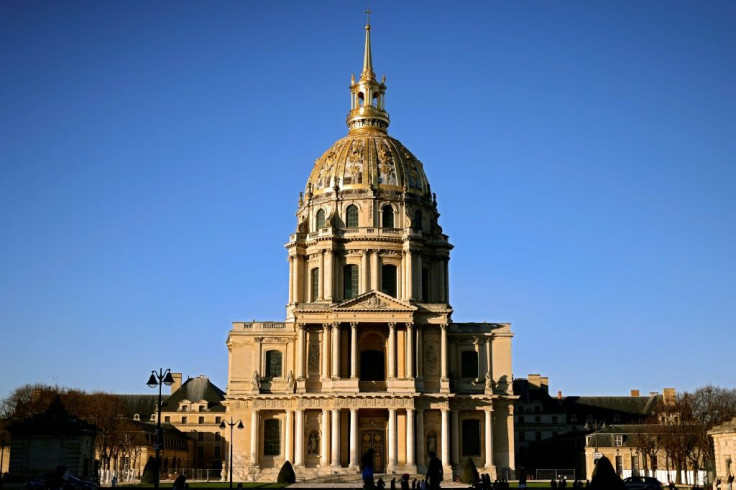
(583, 154)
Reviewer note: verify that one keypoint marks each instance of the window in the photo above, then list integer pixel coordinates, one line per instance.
(271, 438)
(218, 419)
(521, 419)
(217, 452)
(201, 420)
(388, 280)
(184, 420)
(217, 437)
(184, 408)
(314, 276)
(201, 408)
(273, 364)
(388, 216)
(471, 438)
(619, 465)
(350, 281)
(200, 436)
(167, 419)
(469, 364)
(619, 440)
(320, 219)
(351, 217)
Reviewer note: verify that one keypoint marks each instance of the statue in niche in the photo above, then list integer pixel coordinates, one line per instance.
(432, 442)
(290, 381)
(256, 381)
(313, 443)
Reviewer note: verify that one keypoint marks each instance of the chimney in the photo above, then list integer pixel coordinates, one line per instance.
(559, 395)
(544, 381)
(535, 380)
(634, 392)
(669, 396)
(177, 382)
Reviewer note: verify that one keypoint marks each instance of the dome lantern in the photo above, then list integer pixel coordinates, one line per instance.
(367, 96)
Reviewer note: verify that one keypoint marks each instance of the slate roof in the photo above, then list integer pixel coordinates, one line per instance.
(143, 405)
(194, 390)
(641, 406)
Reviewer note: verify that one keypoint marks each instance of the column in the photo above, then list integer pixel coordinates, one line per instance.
(291, 280)
(335, 438)
(391, 351)
(300, 353)
(489, 360)
(289, 436)
(328, 275)
(443, 353)
(455, 444)
(445, 436)
(418, 281)
(353, 350)
(441, 281)
(410, 437)
(324, 441)
(510, 434)
(402, 277)
(409, 282)
(420, 354)
(364, 272)
(489, 437)
(374, 271)
(447, 282)
(410, 351)
(299, 439)
(254, 430)
(321, 286)
(354, 438)
(325, 350)
(335, 351)
(420, 438)
(297, 278)
(259, 359)
(392, 439)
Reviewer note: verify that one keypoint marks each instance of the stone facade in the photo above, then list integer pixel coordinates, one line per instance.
(724, 445)
(369, 356)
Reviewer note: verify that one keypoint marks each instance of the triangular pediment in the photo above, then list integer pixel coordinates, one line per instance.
(373, 301)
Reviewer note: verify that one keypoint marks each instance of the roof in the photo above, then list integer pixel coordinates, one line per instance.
(143, 405)
(194, 390)
(633, 405)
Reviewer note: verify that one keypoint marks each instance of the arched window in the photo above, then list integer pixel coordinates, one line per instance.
(320, 219)
(350, 281)
(273, 364)
(388, 280)
(388, 216)
(351, 216)
(417, 225)
(314, 279)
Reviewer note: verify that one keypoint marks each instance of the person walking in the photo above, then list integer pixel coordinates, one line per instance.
(730, 481)
(434, 471)
(366, 463)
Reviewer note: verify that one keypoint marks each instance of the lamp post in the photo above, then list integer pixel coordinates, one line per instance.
(159, 379)
(232, 424)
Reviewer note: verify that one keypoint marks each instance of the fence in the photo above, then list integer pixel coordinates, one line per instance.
(553, 474)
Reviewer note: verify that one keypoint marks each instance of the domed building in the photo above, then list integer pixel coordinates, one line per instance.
(369, 357)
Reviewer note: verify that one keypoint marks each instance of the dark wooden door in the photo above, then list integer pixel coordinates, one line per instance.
(376, 440)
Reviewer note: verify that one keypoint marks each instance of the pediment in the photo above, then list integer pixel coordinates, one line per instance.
(373, 301)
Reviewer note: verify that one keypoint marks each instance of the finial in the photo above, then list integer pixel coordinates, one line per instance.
(367, 13)
(367, 59)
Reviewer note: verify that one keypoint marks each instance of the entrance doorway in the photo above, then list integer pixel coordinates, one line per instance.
(376, 440)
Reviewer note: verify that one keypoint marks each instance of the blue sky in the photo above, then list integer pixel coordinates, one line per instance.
(583, 153)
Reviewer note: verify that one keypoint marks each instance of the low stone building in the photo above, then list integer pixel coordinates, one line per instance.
(724, 445)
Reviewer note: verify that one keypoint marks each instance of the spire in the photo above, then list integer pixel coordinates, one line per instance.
(367, 101)
(367, 58)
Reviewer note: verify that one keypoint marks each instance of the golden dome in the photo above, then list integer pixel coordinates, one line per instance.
(367, 157)
(364, 160)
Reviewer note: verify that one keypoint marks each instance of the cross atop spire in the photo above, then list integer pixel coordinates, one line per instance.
(367, 13)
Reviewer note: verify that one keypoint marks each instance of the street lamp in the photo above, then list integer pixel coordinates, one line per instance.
(232, 424)
(158, 379)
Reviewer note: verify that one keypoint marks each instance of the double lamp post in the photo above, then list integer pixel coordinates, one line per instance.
(159, 379)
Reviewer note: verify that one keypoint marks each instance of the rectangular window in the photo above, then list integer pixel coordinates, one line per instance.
(350, 281)
(619, 440)
(271, 437)
(201, 420)
(314, 273)
(388, 280)
(471, 438)
(218, 420)
(273, 364)
(619, 465)
(167, 419)
(201, 408)
(184, 420)
(469, 364)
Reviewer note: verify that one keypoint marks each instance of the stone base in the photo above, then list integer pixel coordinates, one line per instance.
(401, 385)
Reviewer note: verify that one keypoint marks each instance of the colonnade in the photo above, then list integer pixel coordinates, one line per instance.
(408, 284)
(331, 333)
(293, 433)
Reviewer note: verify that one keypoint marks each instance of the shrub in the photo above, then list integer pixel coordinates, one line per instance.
(469, 474)
(286, 474)
(149, 471)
